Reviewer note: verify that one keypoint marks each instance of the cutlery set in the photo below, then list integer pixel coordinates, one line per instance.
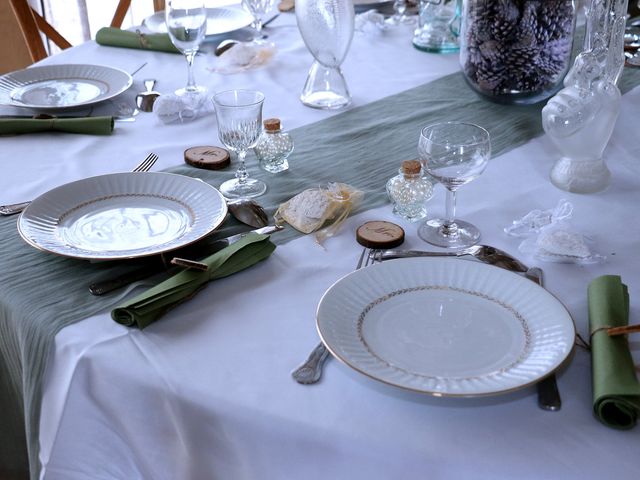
(310, 371)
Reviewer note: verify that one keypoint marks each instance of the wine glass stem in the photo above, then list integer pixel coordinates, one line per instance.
(449, 227)
(191, 81)
(241, 173)
(257, 23)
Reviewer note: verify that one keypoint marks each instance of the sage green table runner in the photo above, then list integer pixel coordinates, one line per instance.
(363, 147)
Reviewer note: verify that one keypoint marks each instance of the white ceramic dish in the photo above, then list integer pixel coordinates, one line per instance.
(122, 215)
(219, 20)
(446, 327)
(62, 86)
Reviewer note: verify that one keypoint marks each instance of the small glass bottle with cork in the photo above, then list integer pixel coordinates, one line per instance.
(274, 147)
(409, 191)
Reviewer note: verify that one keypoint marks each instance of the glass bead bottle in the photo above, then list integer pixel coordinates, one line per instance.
(409, 191)
(274, 147)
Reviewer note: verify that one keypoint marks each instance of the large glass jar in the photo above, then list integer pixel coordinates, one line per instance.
(516, 51)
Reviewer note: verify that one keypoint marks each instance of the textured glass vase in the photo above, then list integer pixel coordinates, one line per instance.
(516, 51)
(327, 28)
(580, 118)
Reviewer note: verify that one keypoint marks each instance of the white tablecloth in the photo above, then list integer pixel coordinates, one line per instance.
(206, 391)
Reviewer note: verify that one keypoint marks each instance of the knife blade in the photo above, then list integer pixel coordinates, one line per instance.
(108, 285)
(548, 394)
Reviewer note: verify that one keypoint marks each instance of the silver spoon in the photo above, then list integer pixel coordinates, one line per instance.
(484, 253)
(249, 212)
(145, 100)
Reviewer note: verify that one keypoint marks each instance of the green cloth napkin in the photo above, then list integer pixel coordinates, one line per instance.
(144, 309)
(114, 37)
(616, 390)
(86, 125)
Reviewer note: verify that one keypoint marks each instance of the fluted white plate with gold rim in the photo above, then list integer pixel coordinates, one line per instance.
(219, 20)
(64, 86)
(122, 215)
(445, 327)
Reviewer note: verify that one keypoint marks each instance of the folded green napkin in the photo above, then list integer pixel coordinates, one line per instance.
(616, 390)
(114, 37)
(150, 305)
(86, 125)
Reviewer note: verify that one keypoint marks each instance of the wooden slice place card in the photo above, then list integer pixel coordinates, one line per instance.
(210, 158)
(379, 234)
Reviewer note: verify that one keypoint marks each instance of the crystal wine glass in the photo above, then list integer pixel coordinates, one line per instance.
(239, 114)
(400, 14)
(257, 8)
(326, 27)
(187, 25)
(454, 153)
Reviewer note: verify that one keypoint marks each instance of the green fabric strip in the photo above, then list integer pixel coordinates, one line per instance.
(114, 37)
(87, 126)
(616, 390)
(362, 147)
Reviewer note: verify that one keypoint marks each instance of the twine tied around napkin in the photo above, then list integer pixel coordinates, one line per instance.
(147, 307)
(114, 37)
(616, 389)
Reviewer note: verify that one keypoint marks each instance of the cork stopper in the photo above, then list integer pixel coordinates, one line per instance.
(272, 124)
(410, 167)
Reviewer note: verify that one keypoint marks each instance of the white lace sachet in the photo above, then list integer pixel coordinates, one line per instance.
(244, 56)
(370, 23)
(550, 237)
(180, 109)
(320, 207)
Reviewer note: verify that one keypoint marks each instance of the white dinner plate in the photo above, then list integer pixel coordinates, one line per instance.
(219, 20)
(446, 327)
(62, 86)
(122, 215)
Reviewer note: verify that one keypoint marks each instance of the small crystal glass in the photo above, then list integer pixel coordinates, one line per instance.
(239, 115)
(187, 25)
(258, 8)
(454, 153)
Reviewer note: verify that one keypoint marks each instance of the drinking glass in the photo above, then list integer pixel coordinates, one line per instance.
(326, 27)
(257, 8)
(454, 153)
(187, 25)
(239, 114)
(400, 14)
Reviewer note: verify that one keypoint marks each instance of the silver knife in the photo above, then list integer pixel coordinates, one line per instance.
(103, 287)
(548, 394)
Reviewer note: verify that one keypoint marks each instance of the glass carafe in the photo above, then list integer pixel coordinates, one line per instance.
(326, 27)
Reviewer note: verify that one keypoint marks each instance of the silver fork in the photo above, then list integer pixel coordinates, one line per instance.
(311, 370)
(144, 166)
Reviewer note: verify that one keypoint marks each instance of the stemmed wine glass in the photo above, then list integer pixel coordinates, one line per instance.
(239, 114)
(454, 153)
(187, 25)
(257, 8)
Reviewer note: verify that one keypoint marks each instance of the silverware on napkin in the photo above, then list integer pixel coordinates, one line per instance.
(108, 285)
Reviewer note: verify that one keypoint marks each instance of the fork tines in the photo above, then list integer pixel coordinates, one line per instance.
(147, 163)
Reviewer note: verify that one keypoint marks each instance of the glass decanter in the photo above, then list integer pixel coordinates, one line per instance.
(327, 28)
(274, 147)
(409, 191)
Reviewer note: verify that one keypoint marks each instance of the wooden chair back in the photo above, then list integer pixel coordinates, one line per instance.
(31, 25)
(123, 7)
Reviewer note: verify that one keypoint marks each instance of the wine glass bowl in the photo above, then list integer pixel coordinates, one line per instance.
(257, 9)
(327, 29)
(239, 116)
(187, 25)
(454, 153)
